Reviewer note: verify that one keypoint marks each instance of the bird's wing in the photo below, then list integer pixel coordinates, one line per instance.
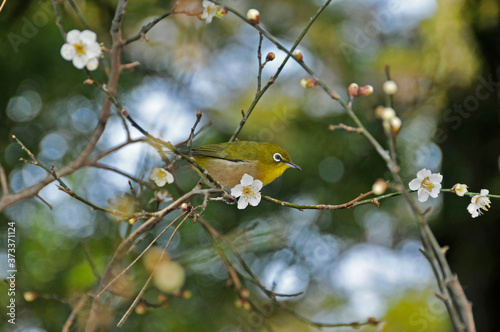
(213, 151)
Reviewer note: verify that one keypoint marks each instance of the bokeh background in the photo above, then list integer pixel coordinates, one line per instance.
(348, 264)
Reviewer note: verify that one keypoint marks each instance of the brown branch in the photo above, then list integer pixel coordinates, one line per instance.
(81, 159)
(353, 203)
(345, 127)
(3, 181)
(77, 308)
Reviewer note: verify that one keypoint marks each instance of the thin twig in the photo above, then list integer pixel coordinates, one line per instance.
(113, 169)
(63, 187)
(79, 14)
(259, 58)
(146, 284)
(345, 127)
(272, 39)
(125, 270)
(353, 203)
(76, 309)
(145, 28)
(55, 4)
(199, 114)
(3, 181)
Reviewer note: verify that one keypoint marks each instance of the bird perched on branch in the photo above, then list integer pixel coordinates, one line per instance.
(228, 162)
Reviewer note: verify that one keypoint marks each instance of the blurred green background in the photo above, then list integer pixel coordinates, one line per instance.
(349, 264)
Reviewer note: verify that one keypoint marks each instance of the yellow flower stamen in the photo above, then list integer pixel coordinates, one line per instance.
(427, 184)
(80, 49)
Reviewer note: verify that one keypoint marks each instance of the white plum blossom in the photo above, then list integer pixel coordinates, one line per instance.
(209, 11)
(479, 202)
(82, 48)
(161, 176)
(460, 189)
(248, 191)
(427, 184)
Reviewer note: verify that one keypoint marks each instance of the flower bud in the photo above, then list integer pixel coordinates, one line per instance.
(141, 309)
(253, 16)
(353, 90)
(221, 12)
(270, 56)
(308, 82)
(395, 125)
(460, 189)
(379, 187)
(30, 296)
(390, 87)
(387, 113)
(297, 54)
(366, 90)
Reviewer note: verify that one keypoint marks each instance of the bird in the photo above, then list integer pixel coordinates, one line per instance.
(228, 162)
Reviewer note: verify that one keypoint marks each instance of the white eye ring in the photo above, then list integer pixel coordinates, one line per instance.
(277, 157)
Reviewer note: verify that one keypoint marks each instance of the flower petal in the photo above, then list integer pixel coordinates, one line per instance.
(242, 203)
(68, 51)
(93, 50)
(436, 178)
(484, 192)
(434, 193)
(415, 184)
(170, 177)
(257, 185)
(92, 64)
(237, 191)
(423, 195)
(80, 61)
(246, 180)
(423, 173)
(73, 36)
(88, 37)
(254, 200)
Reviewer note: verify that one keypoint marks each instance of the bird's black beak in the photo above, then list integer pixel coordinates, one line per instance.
(293, 165)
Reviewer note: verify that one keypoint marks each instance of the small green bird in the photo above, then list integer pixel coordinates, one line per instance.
(228, 162)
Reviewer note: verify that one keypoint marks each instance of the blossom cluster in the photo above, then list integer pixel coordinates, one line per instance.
(428, 184)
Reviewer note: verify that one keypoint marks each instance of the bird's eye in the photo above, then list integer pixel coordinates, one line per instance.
(277, 157)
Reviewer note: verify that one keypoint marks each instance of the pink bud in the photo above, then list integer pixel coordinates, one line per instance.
(253, 16)
(297, 54)
(308, 82)
(366, 90)
(353, 90)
